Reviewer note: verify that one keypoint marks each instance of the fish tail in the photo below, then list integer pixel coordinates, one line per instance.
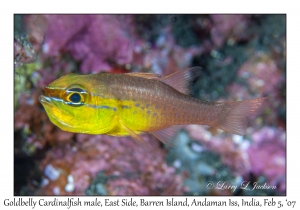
(235, 115)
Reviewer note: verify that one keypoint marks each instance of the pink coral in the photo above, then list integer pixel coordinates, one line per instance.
(265, 78)
(262, 73)
(229, 28)
(238, 92)
(59, 67)
(123, 186)
(145, 172)
(166, 57)
(94, 40)
(267, 155)
(232, 153)
(101, 43)
(264, 156)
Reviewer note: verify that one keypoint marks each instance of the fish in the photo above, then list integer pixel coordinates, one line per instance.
(134, 103)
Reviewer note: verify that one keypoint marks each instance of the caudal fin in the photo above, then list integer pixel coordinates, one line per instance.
(235, 115)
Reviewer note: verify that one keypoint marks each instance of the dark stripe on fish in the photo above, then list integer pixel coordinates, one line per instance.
(125, 107)
(101, 107)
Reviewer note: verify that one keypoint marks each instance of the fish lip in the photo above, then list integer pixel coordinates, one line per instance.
(45, 99)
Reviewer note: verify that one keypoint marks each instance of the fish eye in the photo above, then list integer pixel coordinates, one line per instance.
(75, 98)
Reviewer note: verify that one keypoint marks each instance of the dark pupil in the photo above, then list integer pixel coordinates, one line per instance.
(75, 98)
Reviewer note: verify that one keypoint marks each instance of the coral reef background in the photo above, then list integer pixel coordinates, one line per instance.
(242, 56)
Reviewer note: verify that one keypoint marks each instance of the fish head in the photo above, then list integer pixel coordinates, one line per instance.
(65, 102)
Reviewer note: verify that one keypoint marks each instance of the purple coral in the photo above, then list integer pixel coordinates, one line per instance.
(94, 40)
(123, 186)
(231, 28)
(166, 57)
(265, 78)
(263, 74)
(267, 155)
(231, 152)
(144, 173)
(264, 156)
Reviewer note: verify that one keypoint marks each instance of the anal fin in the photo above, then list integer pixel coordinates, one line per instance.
(166, 135)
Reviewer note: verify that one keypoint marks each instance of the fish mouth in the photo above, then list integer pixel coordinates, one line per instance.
(45, 99)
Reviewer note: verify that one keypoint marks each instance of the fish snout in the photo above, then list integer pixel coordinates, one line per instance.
(46, 91)
(51, 92)
(46, 95)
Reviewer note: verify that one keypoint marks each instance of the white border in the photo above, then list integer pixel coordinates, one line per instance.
(154, 6)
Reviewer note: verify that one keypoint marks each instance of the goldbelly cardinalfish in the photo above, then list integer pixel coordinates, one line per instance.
(134, 103)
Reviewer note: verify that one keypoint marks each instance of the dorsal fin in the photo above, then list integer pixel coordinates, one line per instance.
(180, 80)
(145, 75)
(166, 135)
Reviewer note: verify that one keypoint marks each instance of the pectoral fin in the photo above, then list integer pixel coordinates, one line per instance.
(136, 137)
